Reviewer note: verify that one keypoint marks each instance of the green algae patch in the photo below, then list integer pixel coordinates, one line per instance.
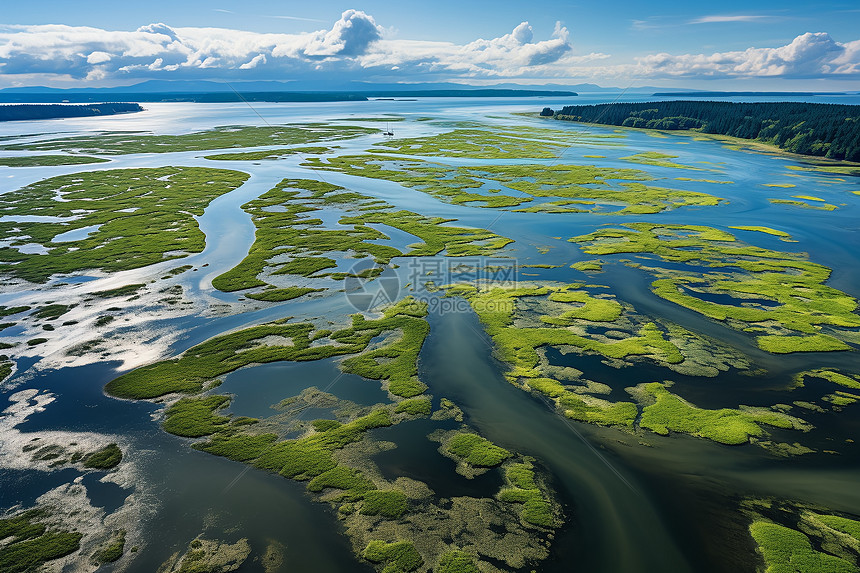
(6, 367)
(218, 138)
(832, 168)
(788, 344)
(783, 185)
(658, 159)
(475, 450)
(390, 504)
(281, 294)
(29, 541)
(808, 198)
(49, 160)
(704, 180)
(577, 188)
(142, 216)
(803, 204)
(195, 417)
(783, 236)
(397, 557)
(839, 398)
(414, 407)
(127, 290)
(597, 411)
(594, 266)
(591, 309)
(51, 311)
(522, 488)
(787, 550)
(759, 290)
(670, 412)
(354, 486)
(104, 459)
(842, 524)
(208, 556)
(849, 381)
(457, 561)
(111, 552)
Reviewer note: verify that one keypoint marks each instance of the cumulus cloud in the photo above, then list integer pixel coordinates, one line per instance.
(809, 55)
(356, 47)
(512, 55)
(355, 43)
(350, 36)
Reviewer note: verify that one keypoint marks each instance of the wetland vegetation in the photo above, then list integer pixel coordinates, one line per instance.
(289, 240)
(781, 297)
(393, 523)
(673, 350)
(139, 216)
(218, 138)
(547, 188)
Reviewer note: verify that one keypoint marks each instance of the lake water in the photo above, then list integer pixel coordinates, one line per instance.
(668, 506)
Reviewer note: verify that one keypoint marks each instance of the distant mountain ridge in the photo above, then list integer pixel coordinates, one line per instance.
(224, 92)
(206, 86)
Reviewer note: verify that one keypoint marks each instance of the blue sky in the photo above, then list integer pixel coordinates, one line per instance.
(732, 45)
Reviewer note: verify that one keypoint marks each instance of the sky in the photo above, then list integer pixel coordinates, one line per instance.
(729, 45)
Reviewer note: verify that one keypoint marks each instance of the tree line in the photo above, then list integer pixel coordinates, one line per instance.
(823, 130)
(36, 111)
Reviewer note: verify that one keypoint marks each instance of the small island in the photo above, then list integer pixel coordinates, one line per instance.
(22, 112)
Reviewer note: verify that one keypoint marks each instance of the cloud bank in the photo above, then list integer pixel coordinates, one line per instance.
(356, 47)
(354, 43)
(810, 55)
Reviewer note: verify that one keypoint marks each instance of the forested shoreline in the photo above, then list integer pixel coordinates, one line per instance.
(54, 111)
(822, 130)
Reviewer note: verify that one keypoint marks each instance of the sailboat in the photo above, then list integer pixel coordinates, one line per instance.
(387, 130)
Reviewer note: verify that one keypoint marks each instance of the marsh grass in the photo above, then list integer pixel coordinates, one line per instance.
(106, 458)
(793, 287)
(28, 542)
(397, 557)
(669, 412)
(144, 216)
(219, 138)
(524, 183)
(476, 450)
(293, 231)
(49, 160)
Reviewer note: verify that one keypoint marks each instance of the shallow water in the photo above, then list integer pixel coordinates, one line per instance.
(666, 506)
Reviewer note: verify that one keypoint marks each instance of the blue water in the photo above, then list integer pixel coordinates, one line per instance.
(656, 518)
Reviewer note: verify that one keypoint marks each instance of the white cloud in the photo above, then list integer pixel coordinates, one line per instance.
(720, 19)
(356, 47)
(809, 55)
(355, 43)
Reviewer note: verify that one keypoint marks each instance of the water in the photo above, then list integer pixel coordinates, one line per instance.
(75, 234)
(666, 506)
